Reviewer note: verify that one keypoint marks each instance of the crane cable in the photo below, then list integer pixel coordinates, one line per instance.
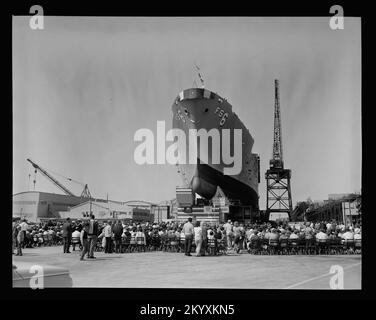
(35, 177)
(69, 179)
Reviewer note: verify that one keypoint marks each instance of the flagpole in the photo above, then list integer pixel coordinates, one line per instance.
(199, 75)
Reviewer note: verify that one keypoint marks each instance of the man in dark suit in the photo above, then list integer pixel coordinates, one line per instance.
(67, 235)
(118, 231)
(92, 235)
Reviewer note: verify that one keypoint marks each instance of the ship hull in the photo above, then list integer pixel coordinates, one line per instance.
(198, 108)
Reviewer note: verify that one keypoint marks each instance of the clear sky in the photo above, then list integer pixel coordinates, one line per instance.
(83, 86)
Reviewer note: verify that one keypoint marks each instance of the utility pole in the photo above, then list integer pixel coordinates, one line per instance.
(89, 206)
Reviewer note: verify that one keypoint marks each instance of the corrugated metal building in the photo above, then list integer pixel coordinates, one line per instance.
(34, 205)
(106, 210)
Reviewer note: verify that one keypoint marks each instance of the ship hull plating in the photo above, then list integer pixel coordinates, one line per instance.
(202, 109)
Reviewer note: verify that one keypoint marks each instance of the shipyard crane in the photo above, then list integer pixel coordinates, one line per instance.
(278, 186)
(85, 193)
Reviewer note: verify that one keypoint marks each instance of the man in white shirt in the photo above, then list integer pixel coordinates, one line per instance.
(23, 228)
(75, 238)
(348, 235)
(266, 234)
(107, 231)
(228, 229)
(321, 235)
(249, 233)
(294, 235)
(188, 236)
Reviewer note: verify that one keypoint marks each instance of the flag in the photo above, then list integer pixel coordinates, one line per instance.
(199, 75)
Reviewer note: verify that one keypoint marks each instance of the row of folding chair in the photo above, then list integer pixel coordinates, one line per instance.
(305, 246)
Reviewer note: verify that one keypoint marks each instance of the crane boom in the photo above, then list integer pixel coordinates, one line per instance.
(46, 174)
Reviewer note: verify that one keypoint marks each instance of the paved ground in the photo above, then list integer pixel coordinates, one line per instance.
(174, 270)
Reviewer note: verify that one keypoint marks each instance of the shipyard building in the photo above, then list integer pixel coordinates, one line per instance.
(35, 205)
(344, 208)
(108, 210)
(38, 206)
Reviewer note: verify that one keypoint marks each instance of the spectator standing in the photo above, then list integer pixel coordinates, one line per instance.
(107, 231)
(14, 236)
(118, 231)
(19, 240)
(188, 236)
(182, 237)
(204, 234)
(217, 239)
(67, 235)
(229, 234)
(84, 240)
(24, 226)
(237, 236)
(140, 238)
(198, 238)
(92, 235)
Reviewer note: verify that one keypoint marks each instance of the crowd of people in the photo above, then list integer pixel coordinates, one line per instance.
(198, 238)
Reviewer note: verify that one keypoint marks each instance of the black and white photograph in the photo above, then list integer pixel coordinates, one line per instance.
(187, 152)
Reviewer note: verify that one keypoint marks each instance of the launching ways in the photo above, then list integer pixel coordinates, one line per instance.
(217, 210)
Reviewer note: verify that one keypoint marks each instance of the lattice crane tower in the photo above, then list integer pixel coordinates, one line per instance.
(278, 178)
